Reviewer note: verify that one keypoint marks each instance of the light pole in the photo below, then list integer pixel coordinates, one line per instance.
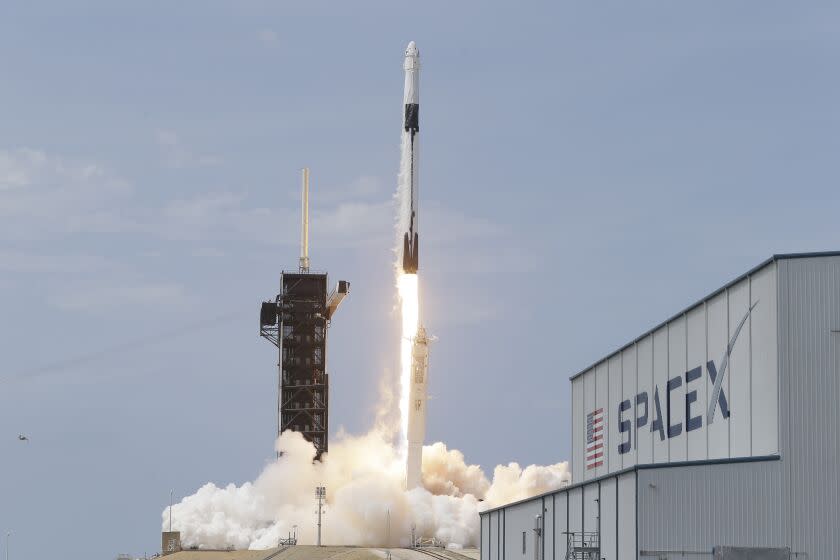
(8, 537)
(321, 495)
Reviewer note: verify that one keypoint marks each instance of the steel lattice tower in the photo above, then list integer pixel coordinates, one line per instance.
(296, 323)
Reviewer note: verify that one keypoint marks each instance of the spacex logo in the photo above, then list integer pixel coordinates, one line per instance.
(661, 424)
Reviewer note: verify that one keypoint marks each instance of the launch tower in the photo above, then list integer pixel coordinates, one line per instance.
(296, 322)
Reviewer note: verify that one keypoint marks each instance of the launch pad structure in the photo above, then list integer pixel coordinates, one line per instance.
(296, 322)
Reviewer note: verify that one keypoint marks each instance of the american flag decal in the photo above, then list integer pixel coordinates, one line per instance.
(595, 439)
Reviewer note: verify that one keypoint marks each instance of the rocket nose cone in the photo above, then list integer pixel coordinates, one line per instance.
(411, 49)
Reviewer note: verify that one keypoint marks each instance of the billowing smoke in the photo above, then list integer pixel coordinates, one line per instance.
(364, 477)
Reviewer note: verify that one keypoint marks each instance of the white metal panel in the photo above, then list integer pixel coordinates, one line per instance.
(765, 378)
(578, 428)
(495, 534)
(614, 390)
(602, 401)
(519, 520)
(609, 519)
(739, 373)
(590, 507)
(548, 528)
(809, 359)
(576, 510)
(717, 434)
(689, 351)
(657, 397)
(627, 516)
(674, 400)
(590, 403)
(628, 383)
(484, 546)
(644, 437)
(698, 507)
(696, 384)
(561, 526)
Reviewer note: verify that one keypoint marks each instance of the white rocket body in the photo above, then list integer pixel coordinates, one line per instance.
(411, 137)
(417, 410)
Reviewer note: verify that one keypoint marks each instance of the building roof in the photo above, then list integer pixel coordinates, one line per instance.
(774, 258)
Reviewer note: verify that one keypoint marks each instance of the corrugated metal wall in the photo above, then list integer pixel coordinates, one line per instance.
(519, 522)
(561, 524)
(809, 354)
(668, 373)
(627, 516)
(548, 528)
(695, 508)
(609, 519)
(571, 510)
(792, 406)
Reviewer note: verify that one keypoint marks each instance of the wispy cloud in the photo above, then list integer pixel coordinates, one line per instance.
(98, 298)
(24, 262)
(178, 155)
(42, 194)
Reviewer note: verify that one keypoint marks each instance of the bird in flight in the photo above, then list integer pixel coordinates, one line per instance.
(22, 437)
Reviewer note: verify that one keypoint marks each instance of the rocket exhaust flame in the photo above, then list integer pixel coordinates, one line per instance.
(407, 287)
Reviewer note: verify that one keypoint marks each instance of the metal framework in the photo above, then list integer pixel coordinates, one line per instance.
(584, 545)
(296, 323)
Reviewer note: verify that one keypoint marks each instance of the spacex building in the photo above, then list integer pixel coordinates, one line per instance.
(714, 435)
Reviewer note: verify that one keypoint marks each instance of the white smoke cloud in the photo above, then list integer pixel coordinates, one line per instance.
(364, 476)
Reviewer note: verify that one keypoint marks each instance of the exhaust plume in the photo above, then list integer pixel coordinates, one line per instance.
(364, 480)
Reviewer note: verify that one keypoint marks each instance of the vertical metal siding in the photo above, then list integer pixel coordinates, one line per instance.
(697, 338)
(519, 519)
(696, 508)
(495, 540)
(644, 437)
(676, 368)
(561, 523)
(627, 516)
(578, 440)
(575, 510)
(614, 395)
(484, 547)
(809, 309)
(548, 528)
(660, 379)
(740, 400)
(602, 383)
(590, 507)
(697, 441)
(609, 519)
(717, 335)
(629, 360)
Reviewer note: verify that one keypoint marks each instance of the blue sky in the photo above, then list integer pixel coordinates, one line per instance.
(587, 170)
